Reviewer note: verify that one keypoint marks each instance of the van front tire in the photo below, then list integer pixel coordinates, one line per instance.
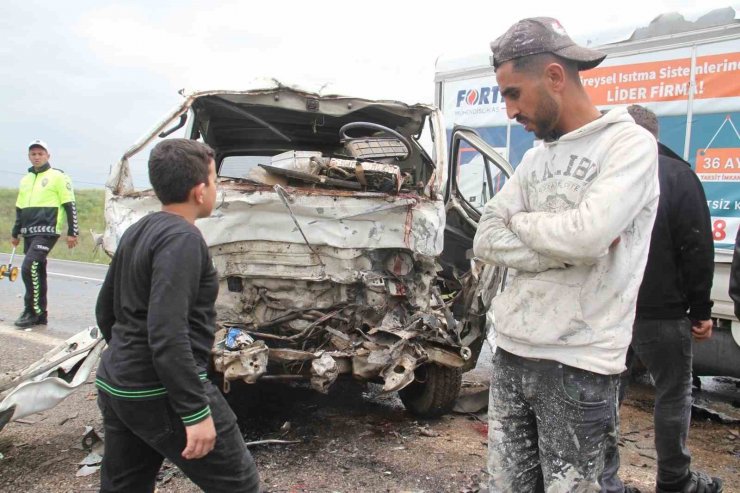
(433, 392)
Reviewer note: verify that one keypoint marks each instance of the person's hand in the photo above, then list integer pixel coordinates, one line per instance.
(201, 439)
(701, 329)
(15, 242)
(71, 241)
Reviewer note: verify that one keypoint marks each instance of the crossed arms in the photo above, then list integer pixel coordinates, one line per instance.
(510, 234)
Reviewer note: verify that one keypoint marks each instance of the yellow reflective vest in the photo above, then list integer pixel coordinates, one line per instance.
(45, 200)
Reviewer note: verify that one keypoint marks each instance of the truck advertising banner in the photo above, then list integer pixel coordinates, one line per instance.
(662, 81)
(695, 91)
(474, 102)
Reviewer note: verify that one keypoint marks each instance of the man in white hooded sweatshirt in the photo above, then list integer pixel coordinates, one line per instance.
(575, 222)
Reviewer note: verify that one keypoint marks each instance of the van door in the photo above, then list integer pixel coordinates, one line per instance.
(476, 174)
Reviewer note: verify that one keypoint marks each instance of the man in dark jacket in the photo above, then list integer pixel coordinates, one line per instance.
(735, 276)
(673, 305)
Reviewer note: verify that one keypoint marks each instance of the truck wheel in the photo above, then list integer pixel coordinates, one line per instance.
(434, 391)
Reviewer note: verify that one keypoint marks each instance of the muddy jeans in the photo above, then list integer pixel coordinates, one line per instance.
(549, 425)
(140, 434)
(664, 347)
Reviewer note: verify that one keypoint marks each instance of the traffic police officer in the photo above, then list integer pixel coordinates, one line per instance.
(45, 199)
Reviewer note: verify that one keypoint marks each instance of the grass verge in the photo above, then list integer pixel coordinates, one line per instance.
(90, 217)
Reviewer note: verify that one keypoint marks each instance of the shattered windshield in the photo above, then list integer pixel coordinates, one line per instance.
(240, 166)
(292, 138)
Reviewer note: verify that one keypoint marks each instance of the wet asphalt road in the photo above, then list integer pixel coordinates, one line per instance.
(73, 289)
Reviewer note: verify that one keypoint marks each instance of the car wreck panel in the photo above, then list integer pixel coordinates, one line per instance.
(343, 221)
(121, 211)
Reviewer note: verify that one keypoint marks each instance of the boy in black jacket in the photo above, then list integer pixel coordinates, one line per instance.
(674, 304)
(156, 311)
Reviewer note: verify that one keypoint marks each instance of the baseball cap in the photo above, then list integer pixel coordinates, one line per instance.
(542, 35)
(39, 143)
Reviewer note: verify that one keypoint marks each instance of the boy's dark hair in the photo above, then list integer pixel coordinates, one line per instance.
(176, 166)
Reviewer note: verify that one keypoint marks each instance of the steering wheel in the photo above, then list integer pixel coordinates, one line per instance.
(374, 126)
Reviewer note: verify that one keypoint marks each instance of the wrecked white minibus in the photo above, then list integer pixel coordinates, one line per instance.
(341, 244)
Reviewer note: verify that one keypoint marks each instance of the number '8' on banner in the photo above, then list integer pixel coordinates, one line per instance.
(724, 230)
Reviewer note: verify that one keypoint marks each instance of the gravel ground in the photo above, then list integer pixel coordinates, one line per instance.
(351, 440)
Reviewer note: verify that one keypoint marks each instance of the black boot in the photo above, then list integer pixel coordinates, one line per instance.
(23, 316)
(32, 319)
(698, 482)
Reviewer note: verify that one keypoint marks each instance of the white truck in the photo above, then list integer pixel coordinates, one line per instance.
(688, 73)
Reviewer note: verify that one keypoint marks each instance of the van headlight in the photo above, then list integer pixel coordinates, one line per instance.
(399, 264)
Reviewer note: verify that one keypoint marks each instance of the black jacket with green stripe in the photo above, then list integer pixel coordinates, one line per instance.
(156, 311)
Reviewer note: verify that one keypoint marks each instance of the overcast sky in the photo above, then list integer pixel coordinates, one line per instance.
(91, 77)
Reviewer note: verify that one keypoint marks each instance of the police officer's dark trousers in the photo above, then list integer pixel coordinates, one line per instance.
(33, 271)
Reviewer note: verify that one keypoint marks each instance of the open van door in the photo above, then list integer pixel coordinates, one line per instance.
(477, 172)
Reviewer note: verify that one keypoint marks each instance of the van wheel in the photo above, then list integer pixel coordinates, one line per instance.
(433, 392)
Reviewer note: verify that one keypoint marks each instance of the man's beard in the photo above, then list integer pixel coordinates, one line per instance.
(545, 117)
